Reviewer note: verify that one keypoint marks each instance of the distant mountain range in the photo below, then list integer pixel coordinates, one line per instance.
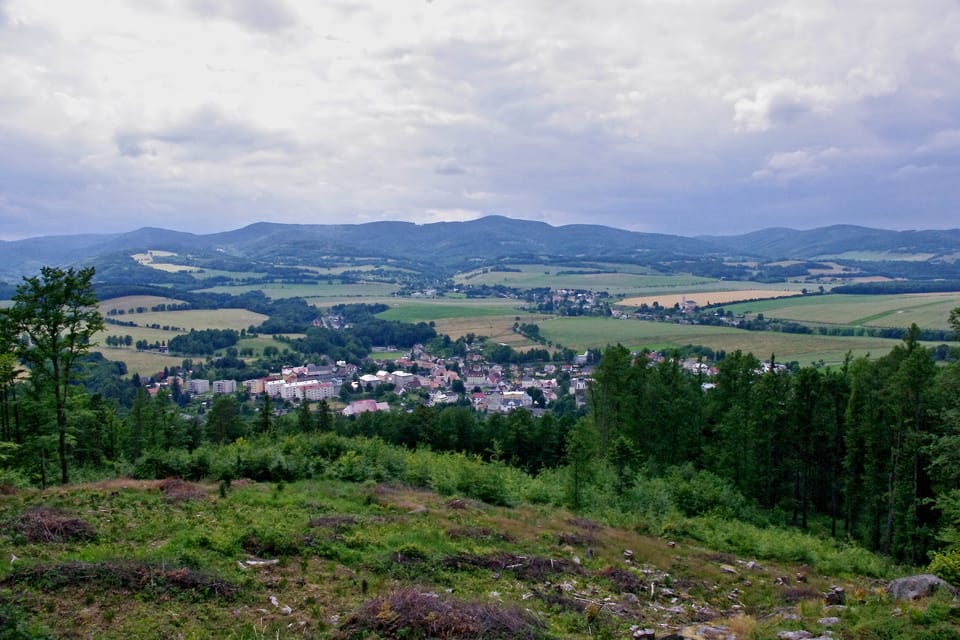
(452, 246)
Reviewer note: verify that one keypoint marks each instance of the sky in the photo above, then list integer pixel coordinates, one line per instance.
(672, 116)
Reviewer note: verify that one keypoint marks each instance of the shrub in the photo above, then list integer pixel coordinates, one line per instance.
(946, 565)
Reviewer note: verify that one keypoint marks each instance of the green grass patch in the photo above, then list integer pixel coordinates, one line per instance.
(597, 332)
(440, 309)
(927, 310)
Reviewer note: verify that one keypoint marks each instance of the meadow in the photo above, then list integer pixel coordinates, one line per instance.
(345, 555)
(704, 298)
(597, 332)
(927, 310)
(616, 279)
(321, 294)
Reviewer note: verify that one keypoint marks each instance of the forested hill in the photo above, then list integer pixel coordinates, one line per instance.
(462, 245)
(837, 240)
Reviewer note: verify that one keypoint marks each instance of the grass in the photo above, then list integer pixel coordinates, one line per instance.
(442, 309)
(128, 303)
(708, 297)
(331, 559)
(927, 310)
(313, 293)
(615, 278)
(598, 332)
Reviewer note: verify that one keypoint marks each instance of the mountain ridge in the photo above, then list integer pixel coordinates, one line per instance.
(456, 245)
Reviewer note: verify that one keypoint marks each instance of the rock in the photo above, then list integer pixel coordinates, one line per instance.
(794, 635)
(726, 568)
(706, 632)
(642, 634)
(628, 555)
(829, 622)
(920, 586)
(835, 596)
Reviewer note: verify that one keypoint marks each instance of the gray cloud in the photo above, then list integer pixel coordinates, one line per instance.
(661, 117)
(207, 133)
(257, 15)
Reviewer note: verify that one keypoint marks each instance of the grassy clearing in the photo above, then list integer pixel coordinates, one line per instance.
(144, 363)
(581, 333)
(927, 310)
(331, 559)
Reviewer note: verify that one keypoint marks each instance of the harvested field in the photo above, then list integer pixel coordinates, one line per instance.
(704, 298)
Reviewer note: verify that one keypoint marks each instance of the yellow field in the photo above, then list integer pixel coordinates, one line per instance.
(126, 303)
(496, 328)
(703, 298)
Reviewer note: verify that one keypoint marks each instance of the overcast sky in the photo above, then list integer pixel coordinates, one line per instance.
(671, 116)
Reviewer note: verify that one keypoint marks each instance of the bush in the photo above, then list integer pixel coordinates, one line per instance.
(702, 492)
(946, 565)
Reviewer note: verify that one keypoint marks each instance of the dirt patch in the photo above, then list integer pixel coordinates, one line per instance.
(584, 523)
(335, 523)
(793, 595)
(424, 614)
(524, 567)
(175, 490)
(45, 524)
(624, 580)
(577, 539)
(127, 575)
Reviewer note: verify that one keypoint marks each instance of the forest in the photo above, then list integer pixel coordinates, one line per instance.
(867, 453)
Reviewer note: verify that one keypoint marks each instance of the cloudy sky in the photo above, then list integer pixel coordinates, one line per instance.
(688, 117)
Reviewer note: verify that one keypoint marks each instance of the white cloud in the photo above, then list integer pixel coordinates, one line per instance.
(625, 113)
(791, 165)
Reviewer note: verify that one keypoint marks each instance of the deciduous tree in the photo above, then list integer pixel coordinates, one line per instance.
(57, 313)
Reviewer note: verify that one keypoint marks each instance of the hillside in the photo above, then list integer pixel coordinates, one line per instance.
(837, 240)
(333, 559)
(453, 246)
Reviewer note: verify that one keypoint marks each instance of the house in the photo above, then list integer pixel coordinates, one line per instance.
(402, 379)
(363, 406)
(196, 385)
(224, 386)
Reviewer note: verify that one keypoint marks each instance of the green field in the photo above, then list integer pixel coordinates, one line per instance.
(439, 309)
(596, 332)
(619, 280)
(927, 310)
(312, 293)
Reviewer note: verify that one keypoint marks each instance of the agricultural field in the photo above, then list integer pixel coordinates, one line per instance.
(441, 309)
(927, 310)
(598, 332)
(155, 260)
(131, 303)
(614, 278)
(143, 363)
(704, 298)
(317, 294)
(491, 317)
